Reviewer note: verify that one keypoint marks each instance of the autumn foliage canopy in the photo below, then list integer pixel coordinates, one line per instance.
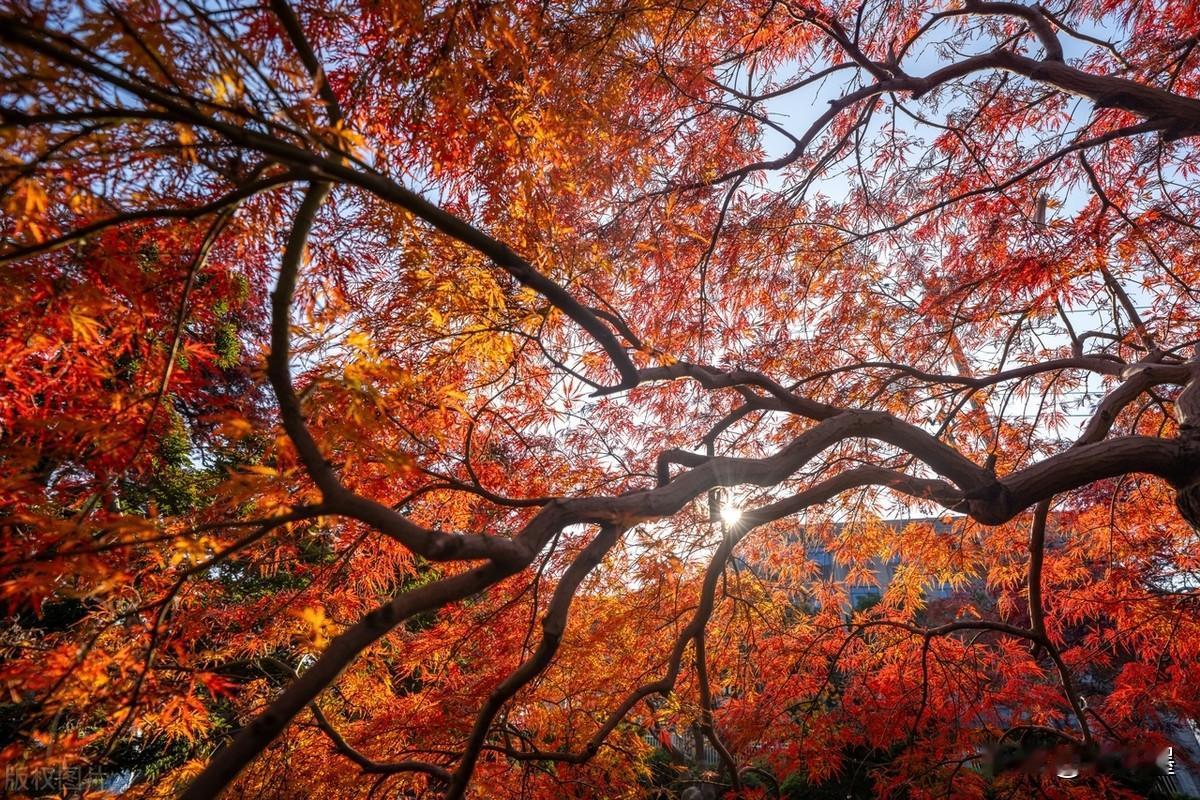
(457, 399)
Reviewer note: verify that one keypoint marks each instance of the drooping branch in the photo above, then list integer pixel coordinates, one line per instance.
(252, 739)
(364, 762)
(1072, 694)
(1175, 116)
(707, 726)
(1037, 555)
(674, 664)
(554, 625)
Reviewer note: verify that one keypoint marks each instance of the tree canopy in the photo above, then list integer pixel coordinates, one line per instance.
(447, 399)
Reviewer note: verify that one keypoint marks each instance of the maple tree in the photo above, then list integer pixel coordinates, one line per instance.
(437, 399)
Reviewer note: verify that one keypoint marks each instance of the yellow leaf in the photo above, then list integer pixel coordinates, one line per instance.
(226, 88)
(345, 138)
(187, 138)
(84, 327)
(317, 623)
(35, 198)
(237, 428)
(359, 341)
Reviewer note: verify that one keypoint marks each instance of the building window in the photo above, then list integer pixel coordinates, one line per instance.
(863, 597)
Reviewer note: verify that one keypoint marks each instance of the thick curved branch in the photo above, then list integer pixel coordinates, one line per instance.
(338, 168)
(252, 739)
(1103, 366)
(995, 503)
(989, 500)
(1038, 21)
(295, 31)
(434, 545)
